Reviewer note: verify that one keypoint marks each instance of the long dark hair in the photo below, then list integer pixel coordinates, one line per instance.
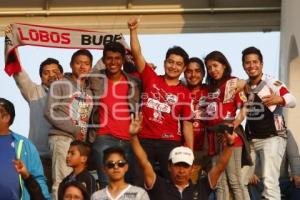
(219, 57)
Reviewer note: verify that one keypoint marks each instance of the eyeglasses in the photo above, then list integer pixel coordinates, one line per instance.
(115, 164)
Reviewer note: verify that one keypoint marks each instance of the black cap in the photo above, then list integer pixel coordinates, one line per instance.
(9, 108)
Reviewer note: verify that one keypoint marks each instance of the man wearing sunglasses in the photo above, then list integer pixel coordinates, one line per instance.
(180, 166)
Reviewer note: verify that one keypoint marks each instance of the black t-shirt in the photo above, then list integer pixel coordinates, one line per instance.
(165, 190)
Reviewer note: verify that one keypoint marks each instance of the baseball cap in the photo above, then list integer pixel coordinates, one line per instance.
(181, 154)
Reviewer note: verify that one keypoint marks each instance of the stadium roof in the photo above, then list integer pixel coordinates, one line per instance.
(163, 16)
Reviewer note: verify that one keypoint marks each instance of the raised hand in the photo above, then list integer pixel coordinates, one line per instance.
(8, 29)
(133, 23)
(21, 168)
(136, 124)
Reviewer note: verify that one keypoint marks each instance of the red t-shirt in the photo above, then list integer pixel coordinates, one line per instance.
(113, 110)
(198, 107)
(222, 104)
(163, 107)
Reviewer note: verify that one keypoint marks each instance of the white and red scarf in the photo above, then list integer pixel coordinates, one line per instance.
(57, 37)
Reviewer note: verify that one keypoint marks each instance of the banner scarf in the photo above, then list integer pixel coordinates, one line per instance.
(49, 36)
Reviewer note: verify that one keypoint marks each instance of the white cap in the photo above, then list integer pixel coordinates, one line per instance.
(182, 154)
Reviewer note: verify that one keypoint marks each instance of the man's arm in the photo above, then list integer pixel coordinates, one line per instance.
(241, 116)
(56, 110)
(34, 167)
(280, 95)
(188, 133)
(134, 129)
(222, 162)
(31, 184)
(29, 90)
(27, 87)
(135, 46)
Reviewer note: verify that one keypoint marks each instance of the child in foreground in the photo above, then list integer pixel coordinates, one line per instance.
(77, 158)
(116, 166)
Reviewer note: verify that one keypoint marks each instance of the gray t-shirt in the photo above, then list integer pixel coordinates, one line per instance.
(129, 193)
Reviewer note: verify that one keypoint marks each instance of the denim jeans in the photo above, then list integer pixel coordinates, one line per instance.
(103, 142)
(287, 188)
(247, 173)
(231, 178)
(158, 151)
(269, 154)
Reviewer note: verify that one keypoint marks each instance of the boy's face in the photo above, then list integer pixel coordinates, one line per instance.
(174, 66)
(81, 65)
(115, 167)
(193, 74)
(74, 158)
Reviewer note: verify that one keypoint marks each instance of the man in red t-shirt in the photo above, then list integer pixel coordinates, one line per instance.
(116, 95)
(165, 103)
(194, 74)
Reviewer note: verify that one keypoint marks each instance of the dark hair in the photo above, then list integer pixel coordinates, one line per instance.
(114, 47)
(83, 52)
(78, 185)
(111, 150)
(83, 147)
(252, 50)
(177, 50)
(49, 61)
(9, 108)
(199, 62)
(219, 57)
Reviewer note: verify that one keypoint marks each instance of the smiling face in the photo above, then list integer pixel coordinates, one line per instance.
(180, 173)
(113, 62)
(193, 74)
(215, 69)
(253, 66)
(174, 66)
(50, 73)
(115, 167)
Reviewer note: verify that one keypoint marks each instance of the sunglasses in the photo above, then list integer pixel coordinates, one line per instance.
(115, 164)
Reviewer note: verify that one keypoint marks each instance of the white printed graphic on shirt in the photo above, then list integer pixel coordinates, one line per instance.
(279, 123)
(158, 108)
(211, 109)
(80, 109)
(229, 93)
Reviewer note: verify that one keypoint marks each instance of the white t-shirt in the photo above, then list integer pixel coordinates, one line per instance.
(129, 193)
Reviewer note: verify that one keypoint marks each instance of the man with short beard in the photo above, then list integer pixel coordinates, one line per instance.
(116, 95)
(265, 124)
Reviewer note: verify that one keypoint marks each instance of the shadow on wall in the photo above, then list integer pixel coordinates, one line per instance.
(294, 85)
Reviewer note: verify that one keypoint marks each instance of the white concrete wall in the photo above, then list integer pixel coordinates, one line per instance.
(290, 59)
